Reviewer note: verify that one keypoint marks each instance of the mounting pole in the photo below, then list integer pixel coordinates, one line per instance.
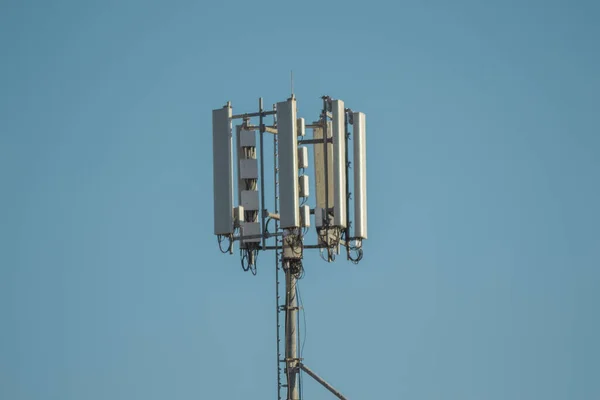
(291, 345)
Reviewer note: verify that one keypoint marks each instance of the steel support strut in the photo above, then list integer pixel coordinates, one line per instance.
(321, 381)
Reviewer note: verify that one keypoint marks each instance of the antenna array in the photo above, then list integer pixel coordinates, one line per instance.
(247, 222)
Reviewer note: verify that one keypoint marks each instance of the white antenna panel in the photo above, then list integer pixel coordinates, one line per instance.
(339, 164)
(222, 171)
(320, 169)
(238, 216)
(288, 164)
(360, 175)
(302, 157)
(303, 186)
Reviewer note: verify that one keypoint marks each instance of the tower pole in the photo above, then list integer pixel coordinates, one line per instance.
(291, 345)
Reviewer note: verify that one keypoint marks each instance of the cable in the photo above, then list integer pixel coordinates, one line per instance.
(321, 251)
(255, 256)
(331, 254)
(359, 256)
(300, 356)
(287, 371)
(267, 224)
(298, 335)
(297, 269)
(249, 257)
(245, 259)
(243, 255)
(357, 249)
(220, 239)
(304, 318)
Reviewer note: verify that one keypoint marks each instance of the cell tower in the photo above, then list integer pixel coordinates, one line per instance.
(249, 222)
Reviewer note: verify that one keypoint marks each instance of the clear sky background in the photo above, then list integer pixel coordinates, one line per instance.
(480, 278)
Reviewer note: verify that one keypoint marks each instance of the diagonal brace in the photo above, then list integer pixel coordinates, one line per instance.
(321, 381)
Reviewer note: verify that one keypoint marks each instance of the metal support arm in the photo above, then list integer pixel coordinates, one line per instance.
(321, 381)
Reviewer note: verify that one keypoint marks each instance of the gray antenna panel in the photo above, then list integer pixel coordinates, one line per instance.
(288, 164)
(301, 127)
(339, 164)
(320, 168)
(222, 171)
(239, 152)
(360, 175)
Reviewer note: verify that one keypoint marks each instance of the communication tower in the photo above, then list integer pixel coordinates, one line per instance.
(248, 220)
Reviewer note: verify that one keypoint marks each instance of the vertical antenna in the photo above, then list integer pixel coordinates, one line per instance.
(292, 82)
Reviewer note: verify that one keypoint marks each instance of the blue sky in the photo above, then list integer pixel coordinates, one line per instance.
(480, 276)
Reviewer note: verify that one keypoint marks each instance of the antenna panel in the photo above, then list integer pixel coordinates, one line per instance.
(239, 151)
(339, 164)
(238, 216)
(360, 175)
(320, 169)
(303, 186)
(301, 126)
(288, 164)
(319, 217)
(302, 157)
(305, 216)
(222, 171)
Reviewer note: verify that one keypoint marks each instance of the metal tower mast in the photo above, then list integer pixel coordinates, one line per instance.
(291, 333)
